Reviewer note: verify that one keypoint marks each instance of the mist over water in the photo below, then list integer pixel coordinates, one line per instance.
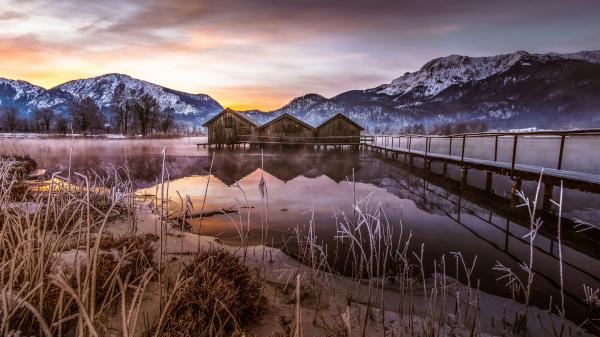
(304, 184)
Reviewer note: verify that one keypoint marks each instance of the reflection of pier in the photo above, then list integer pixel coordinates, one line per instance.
(468, 201)
(485, 217)
(485, 199)
(339, 166)
(509, 218)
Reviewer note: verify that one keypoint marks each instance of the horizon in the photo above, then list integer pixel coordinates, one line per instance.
(262, 54)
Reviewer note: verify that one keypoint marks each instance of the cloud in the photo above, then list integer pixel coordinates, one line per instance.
(11, 15)
(267, 51)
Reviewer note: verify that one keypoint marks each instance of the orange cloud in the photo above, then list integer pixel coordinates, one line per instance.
(252, 97)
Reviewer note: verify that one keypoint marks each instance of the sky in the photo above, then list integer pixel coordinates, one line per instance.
(262, 53)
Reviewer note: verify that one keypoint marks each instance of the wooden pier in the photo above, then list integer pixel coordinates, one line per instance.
(317, 143)
(394, 146)
(452, 150)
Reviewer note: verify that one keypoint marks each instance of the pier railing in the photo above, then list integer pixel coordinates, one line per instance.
(574, 150)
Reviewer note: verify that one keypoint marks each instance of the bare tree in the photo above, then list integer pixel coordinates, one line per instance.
(120, 110)
(145, 111)
(61, 125)
(167, 120)
(42, 118)
(10, 119)
(86, 115)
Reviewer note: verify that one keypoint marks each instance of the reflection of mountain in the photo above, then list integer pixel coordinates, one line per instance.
(144, 170)
(230, 167)
(466, 220)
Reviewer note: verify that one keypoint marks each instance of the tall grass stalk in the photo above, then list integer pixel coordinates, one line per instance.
(212, 160)
(41, 292)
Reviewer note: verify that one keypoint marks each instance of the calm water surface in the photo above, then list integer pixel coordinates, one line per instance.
(301, 185)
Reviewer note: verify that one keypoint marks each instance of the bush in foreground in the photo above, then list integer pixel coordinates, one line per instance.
(218, 297)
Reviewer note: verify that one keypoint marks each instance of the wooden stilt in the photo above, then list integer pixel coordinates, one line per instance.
(488, 181)
(516, 187)
(546, 203)
(464, 177)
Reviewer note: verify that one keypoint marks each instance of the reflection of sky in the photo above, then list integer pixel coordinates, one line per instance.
(432, 219)
(261, 53)
(299, 181)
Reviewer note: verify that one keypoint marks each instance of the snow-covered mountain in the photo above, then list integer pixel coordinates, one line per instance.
(27, 97)
(18, 93)
(503, 91)
(101, 89)
(440, 73)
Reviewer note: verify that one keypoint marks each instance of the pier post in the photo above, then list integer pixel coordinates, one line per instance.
(546, 204)
(462, 153)
(516, 187)
(562, 150)
(488, 181)
(464, 177)
(496, 149)
(514, 155)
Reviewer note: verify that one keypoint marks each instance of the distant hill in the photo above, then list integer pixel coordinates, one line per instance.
(27, 97)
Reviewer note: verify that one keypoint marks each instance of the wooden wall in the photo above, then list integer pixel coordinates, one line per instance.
(285, 127)
(336, 127)
(226, 128)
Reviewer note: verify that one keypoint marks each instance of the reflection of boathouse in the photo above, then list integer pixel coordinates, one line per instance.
(231, 127)
(285, 165)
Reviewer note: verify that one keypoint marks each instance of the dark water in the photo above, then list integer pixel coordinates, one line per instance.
(302, 185)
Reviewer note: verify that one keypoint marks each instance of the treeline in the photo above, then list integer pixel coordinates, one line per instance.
(130, 115)
(429, 129)
(447, 128)
(41, 120)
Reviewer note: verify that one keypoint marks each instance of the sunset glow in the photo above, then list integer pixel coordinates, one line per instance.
(261, 54)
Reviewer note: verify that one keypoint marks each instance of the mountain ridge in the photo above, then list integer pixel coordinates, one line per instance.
(431, 95)
(500, 90)
(101, 89)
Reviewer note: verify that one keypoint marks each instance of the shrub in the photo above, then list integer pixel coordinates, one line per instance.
(219, 298)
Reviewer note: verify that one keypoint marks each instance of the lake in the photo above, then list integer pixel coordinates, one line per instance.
(320, 185)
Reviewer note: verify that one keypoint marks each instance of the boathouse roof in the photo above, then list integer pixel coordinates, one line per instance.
(261, 119)
(286, 115)
(226, 110)
(342, 116)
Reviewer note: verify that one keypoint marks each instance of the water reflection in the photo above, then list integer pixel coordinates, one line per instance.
(440, 215)
(302, 185)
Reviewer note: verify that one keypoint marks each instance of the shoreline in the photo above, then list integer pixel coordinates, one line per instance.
(345, 295)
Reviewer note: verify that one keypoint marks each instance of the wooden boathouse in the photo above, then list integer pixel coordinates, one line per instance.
(229, 128)
(286, 128)
(339, 129)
